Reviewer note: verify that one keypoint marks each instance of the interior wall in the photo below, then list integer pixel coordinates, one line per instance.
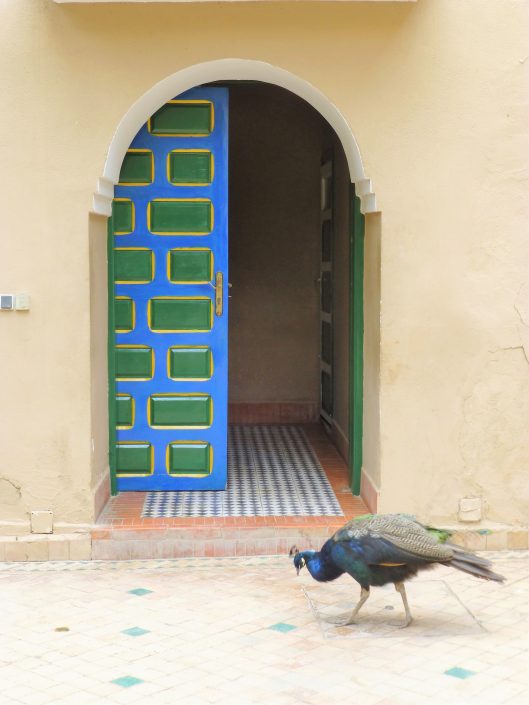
(276, 143)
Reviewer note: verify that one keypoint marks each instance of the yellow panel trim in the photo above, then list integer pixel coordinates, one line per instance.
(183, 330)
(137, 474)
(181, 232)
(190, 249)
(187, 394)
(128, 298)
(174, 474)
(191, 183)
(153, 265)
(190, 379)
(187, 134)
(127, 232)
(140, 183)
(138, 379)
(127, 428)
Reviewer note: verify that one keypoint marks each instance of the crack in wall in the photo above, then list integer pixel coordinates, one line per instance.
(16, 487)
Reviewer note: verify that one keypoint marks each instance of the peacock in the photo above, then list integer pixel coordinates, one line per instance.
(376, 549)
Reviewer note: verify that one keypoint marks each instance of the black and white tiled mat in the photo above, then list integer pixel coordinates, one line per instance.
(272, 471)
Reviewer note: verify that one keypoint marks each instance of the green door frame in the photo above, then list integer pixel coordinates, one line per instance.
(356, 340)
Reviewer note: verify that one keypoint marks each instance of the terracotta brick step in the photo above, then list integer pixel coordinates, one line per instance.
(125, 544)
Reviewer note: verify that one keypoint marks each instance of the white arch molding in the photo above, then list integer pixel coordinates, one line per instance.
(226, 70)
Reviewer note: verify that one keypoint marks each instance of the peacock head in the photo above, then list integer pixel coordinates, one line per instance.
(299, 559)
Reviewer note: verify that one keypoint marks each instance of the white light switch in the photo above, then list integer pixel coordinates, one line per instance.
(22, 302)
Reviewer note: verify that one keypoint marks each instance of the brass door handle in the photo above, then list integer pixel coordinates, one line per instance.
(219, 293)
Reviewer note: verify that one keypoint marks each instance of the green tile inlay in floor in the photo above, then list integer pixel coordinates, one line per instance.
(127, 681)
(139, 591)
(135, 631)
(282, 627)
(457, 672)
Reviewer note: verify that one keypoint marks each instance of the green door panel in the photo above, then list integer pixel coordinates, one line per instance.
(137, 168)
(134, 458)
(180, 217)
(186, 458)
(190, 168)
(172, 315)
(124, 411)
(134, 265)
(192, 266)
(190, 363)
(134, 362)
(123, 216)
(183, 118)
(180, 410)
(124, 314)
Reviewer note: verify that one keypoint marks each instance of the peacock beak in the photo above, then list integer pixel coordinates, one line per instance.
(297, 571)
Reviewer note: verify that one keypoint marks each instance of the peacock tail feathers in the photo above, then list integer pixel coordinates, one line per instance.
(441, 535)
(402, 531)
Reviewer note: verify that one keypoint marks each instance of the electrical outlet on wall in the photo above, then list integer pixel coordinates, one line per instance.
(470, 509)
(42, 522)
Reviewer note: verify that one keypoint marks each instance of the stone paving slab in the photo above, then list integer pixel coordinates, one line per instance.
(242, 631)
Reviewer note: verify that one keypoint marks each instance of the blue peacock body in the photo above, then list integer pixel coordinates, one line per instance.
(376, 549)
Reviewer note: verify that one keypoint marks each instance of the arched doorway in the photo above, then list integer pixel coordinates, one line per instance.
(228, 70)
(352, 164)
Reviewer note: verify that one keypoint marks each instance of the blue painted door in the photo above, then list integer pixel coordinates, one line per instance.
(170, 231)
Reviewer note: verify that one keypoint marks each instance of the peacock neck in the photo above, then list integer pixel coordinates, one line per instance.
(320, 567)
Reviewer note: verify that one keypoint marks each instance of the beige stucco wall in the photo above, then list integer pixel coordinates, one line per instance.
(436, 94)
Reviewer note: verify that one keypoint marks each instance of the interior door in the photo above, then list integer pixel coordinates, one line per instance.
(170, 268)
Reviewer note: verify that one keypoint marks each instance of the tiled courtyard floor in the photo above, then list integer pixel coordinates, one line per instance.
(246, 630)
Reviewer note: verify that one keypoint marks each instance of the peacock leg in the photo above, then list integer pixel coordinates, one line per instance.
(364, 594)
(399, 587)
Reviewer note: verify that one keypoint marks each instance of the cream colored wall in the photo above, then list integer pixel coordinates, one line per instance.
(100, 472)
(436, 95)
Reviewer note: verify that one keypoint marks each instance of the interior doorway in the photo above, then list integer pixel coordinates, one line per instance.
(289, 263)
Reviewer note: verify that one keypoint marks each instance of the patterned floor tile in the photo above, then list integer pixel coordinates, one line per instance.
(272, 471)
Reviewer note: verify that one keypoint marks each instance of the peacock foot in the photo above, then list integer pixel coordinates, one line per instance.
(341, 621)
(401, 625)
